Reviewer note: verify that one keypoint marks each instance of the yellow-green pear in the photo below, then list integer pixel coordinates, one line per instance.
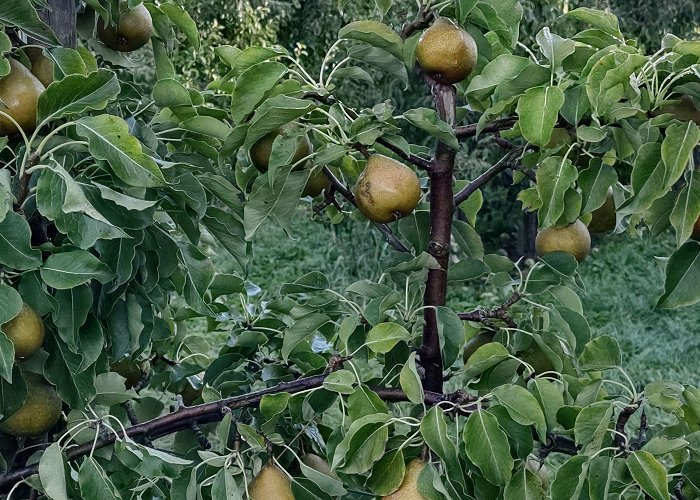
(270, 484)
(409, 487)
(446, 52)
(19, 93)
(42, 66)
(133, 30)
(574, 239)
(26, 332)
(262, 149)
(40, 412)
(480, 339)
(316, 184)
(387, 189)
(604, 218)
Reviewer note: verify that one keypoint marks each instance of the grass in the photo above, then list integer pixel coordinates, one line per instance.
(622, 278)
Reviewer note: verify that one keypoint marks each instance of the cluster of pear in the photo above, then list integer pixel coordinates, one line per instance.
(42, 408)
(273, 483)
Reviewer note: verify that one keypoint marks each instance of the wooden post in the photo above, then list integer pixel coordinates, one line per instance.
(62, 20)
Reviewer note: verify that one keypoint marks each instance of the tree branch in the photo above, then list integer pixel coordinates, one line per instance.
(501, 312)
(466, 131)
(477, 183)
(558, 444)
(422, 21)
(620, 437)
(187, 417)
(339, 187)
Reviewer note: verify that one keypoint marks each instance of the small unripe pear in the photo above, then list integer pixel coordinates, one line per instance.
(316, 184)
(262, 149)
(42, 66)
(26, 332)
(270, 484)
(409, 487)
(574, 239)
(387, 189)
(480, 339)
(133, 371)
(446, 52)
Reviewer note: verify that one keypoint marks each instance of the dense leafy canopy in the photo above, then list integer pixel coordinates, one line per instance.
(111, 209)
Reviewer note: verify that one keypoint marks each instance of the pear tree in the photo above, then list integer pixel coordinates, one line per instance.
(118, 195)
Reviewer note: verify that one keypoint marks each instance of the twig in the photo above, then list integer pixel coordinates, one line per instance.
(477, 183)
(337, 186)
(466, 131)
(422, 21)
(558, 444)
(165, 359)
(501, 312)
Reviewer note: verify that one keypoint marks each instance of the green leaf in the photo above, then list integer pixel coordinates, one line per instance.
(23, 15)
(485, 357)
(682, 278)
(341, 381)
(16, 251)
(383, 337)
(410, 380)
(592, 424)
(605, 21)
(594, 182)
(649, 474)
(433, 428)
(554, 47)
(609, 79)
(387, 474)
(94, 482)
(169, 93)
(376, 34)
(554, 177)
(275, 112)
(677, 148)
(648, 178)
(52, 473)
(363, 445)
(570, 478)
(301, 331)
(522, 407)
(538, 110)
(429, 121)
(109, 139)
(252, 86)
(525, 485)
(76, 94)
(70, 269)
(277, 201)
(487, 447)
(182, 20)
(10, 306)
(686, 211)
(601, 353)
(74, 305)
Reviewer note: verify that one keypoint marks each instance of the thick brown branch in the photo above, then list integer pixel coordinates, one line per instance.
(466, 131)
(187, 417)
(339, 187)
(620, 437)
(441, 208)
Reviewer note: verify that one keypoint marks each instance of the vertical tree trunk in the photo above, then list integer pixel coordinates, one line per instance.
(62, 20)
(441, 208)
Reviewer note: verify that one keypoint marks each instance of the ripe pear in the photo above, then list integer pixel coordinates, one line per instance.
(480, 339)
(260, 151)
(316, 184)
(270, 484)
(133, 30)
(685, 111)
(409, 487)
(446, 52)
(603, 219)
(42, 66)
(133, 371)
(387, 189)
(574, 239)
(26, 332)
(19, 91)
(40, 412)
